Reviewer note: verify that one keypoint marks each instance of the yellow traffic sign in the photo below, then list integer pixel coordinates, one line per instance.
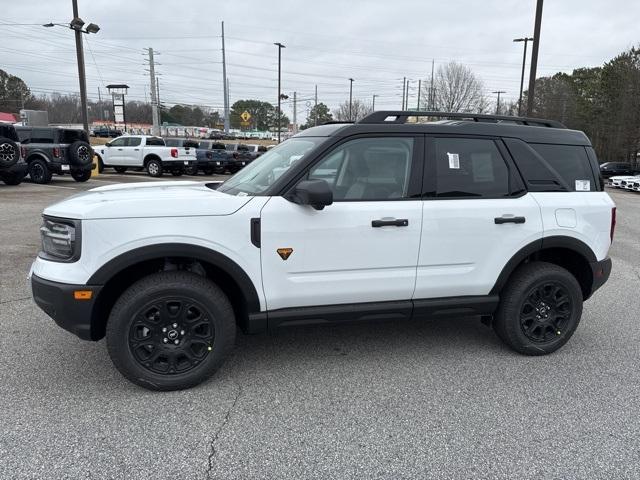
(245, 116)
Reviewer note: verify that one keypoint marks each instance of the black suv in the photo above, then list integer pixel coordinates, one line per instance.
(611, 169)
(50, 150)
(12, 165)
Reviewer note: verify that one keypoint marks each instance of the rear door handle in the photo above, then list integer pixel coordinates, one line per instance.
(137, 149)
(501, 220)
(400, 222)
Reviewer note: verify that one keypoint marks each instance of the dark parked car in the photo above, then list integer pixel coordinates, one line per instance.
(213, 157)
(106, 132)
(241, 156)
(12, 165)
(610, 169)
(50, 150)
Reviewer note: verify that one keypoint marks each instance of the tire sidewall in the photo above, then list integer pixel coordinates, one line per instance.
(74, 153)
(158, 173)
(119, 325)
(36, 165)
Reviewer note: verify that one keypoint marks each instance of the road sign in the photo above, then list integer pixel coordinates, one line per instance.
(245, 116)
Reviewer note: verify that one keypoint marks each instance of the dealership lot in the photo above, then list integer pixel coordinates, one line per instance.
(437, 399)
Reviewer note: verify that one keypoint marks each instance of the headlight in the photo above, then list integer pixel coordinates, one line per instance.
(60, 239)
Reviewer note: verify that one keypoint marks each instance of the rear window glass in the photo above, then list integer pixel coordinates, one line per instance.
(155, 142)
(171, 142)
(70, 136)
(218, 146)
(470, 167)
(572, 164)
(243, 148)
(190, 144)
(41, 135)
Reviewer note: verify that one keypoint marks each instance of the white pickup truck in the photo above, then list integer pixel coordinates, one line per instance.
(145, 152)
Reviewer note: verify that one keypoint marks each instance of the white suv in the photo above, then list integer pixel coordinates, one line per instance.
(500, 217)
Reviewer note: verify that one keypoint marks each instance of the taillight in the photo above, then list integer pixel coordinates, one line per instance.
(613, 222)
(23, 152)
(56, 152)
(174, 152)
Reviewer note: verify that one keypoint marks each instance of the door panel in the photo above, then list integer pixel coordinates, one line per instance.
(476, 219)
(338, 257)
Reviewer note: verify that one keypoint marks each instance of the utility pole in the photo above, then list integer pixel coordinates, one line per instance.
(350, 98)
(316, 108)
(373, 104)
(159, 105)
(404, 87)
(280, 47)
(498, 104)
(406, 102)
(81, 72)
(295, 114)
(534, 58)
(225, 88)
(524, 61)
(100, 104)
(154, 93)
(431, 91)
(419, 88)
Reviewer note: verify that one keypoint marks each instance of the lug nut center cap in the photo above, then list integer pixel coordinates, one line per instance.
(172, 334)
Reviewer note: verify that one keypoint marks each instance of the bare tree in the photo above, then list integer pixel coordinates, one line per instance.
(457, 89)
(359, 110)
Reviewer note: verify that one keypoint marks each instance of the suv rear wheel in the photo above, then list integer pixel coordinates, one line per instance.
(540, 308)
(39, 171)
(170, 331)
(81, 175)
(9, 152)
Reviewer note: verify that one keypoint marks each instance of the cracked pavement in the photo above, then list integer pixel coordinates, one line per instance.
(438, 399)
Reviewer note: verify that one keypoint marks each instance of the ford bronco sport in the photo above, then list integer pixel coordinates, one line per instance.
(504, 218)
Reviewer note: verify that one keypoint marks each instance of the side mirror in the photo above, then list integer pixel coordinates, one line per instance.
(108, 144)
(316, 193)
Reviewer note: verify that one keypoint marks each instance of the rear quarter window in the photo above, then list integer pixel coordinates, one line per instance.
(70, 136)
(155, 142)
(572, 164)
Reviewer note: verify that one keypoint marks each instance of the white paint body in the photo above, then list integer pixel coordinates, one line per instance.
(449, 247)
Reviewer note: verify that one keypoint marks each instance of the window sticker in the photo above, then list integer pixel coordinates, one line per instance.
(583, 186)
(454, 160)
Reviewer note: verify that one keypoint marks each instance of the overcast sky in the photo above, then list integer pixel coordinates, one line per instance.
(376, 42)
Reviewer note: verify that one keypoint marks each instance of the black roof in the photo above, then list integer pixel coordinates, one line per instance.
(529, 130)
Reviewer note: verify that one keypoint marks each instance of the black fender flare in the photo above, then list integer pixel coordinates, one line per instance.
(196, 252)
(555, 241)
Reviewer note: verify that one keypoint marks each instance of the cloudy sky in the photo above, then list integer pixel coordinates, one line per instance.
(376, 42)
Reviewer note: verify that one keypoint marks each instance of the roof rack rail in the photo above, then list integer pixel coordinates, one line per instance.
(400, 116)
(335, 122)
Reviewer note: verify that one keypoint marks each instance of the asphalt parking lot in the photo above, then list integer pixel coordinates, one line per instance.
(440, 399)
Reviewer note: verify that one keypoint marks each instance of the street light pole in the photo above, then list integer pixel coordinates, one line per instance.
(524, 61)
(280, 47)
(498, 104)
(350, 98)
(81, 72)
(534, 58)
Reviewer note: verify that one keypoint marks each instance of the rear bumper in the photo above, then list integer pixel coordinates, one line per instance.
(209, 163)
(178, 164)
(601, 271)
(57, 300)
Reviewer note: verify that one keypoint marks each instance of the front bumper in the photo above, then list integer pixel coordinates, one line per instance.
(600, 274)
(57, 300)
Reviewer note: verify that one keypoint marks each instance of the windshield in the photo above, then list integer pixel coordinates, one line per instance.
(260, 174)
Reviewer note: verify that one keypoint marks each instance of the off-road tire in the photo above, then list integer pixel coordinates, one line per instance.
(178, 286)
(81, 175)
(12, 178)
(39, 171)
(516, 305)
(80, 153)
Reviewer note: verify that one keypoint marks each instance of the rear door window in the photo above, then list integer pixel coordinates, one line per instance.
(133, 142)
(572, 164)
(470, 167)
(42, 135)
(155, 142)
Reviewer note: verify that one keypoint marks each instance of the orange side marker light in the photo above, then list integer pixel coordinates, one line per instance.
(82, 294)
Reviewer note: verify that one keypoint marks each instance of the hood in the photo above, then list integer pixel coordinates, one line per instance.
(148, 200)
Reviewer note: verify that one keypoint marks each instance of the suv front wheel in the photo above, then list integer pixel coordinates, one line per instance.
(539, 309)
(170, 331)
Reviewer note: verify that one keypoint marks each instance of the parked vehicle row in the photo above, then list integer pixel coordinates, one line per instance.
(610, 169)
(626, 182)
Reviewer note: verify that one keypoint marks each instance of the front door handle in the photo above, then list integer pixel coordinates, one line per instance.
(400, 222)
(137, 149)
(501, 220)
(119, 149)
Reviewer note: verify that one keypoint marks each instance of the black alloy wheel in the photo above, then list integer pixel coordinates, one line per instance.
(546, 312)
(171, 335)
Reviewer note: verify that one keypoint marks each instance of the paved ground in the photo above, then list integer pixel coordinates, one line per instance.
(439, 399)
